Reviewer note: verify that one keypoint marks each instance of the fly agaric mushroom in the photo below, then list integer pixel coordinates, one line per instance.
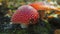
(40, 6)
(24, 14)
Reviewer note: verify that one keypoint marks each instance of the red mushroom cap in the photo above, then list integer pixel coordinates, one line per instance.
(24, 14)
(39, 6)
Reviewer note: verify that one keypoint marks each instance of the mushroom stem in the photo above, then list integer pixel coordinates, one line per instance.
(23, 26)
